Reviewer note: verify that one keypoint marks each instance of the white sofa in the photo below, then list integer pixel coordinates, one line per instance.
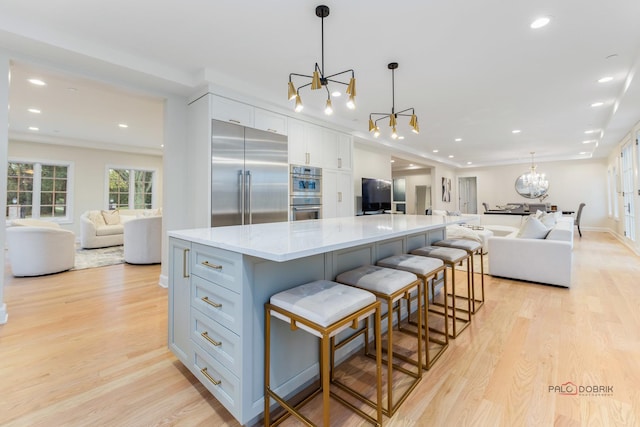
(545, 260)
(143, 240)
(100, 229)
(38, 250)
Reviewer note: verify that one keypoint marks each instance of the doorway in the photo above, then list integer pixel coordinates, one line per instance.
(468, 195)
(627, 192)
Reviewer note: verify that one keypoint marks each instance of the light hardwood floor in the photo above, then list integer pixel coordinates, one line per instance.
(89, 348)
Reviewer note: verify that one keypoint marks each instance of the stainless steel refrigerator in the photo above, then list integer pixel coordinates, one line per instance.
(249, 175)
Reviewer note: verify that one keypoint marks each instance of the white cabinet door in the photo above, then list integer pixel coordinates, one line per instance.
(345, 194)
(297, 142)
(270, 121)
(228, 110)
(345, 148)
(329, 194)
(179, 299)
(330, 148)
(314, 138)
(337, 195)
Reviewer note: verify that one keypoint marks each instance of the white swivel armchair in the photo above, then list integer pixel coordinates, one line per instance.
(35, 251)
(143, 240)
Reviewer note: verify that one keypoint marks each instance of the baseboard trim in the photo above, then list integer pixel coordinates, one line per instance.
(163, 281)
(625, 242)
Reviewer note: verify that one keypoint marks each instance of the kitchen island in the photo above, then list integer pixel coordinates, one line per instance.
(220, 278)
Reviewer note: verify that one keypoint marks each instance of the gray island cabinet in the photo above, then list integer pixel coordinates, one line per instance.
(220, 278)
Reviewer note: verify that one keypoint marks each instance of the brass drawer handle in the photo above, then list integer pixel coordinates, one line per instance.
(234, 121)
(185, 253)
(209, 377)
(214, 266)
(211, 303)
(206, 336)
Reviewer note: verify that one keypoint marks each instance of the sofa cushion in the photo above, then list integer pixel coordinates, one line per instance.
(111, 217)
(96, 218)
(532, 228)
(109, 230)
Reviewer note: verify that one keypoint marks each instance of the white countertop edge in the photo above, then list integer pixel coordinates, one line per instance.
(192, 235)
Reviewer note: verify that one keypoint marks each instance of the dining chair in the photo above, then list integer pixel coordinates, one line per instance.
(578, 216)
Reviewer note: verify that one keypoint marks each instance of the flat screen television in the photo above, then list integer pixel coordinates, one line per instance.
(376, 195)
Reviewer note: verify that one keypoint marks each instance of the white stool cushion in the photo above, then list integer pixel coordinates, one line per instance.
(323, 302)
(445, 254)
(467, 245)
(412, 263)
(377, 279)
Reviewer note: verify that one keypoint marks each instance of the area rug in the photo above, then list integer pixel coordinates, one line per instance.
(99, 257)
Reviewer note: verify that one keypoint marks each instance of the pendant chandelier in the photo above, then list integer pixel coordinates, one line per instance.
(320, 80)
(534, 181)
(393, 116)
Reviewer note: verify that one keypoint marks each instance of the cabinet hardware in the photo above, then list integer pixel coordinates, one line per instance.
(339, 196)
(307, 158)
(204, 372)
(234, 121)
(206, 336)
(214, 266)
(340, 162)
(272, 130)
(211, 303)
(185, 253)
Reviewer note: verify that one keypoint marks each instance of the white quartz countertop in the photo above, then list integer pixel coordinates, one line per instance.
(284, 241)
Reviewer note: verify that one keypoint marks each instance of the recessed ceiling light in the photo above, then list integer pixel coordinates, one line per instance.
(123, 125)
(458, 139)
(451, 156)
(516, 131)
(540, 22)
(589, 141)
(336, 94)
(34, 110)
(605, 79)
(411, 165)
(597, 104)
(401, 137)
(588, 132)
(584, 152)
(469, 163)
(33, 128)
(393, 161)
(435, 151)
(161, 145)
(37, 82)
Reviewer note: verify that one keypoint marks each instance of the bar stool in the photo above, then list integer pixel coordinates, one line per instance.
(323, 308)
(450, 257)
(473, 248)
(390, 286)
(425, 268)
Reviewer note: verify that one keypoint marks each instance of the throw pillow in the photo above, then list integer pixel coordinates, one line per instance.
(111, 217)
(549, 220)
(459, 232)
(532, 228)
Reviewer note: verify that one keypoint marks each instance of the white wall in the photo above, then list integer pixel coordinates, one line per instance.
(90, 171)
(570, 183)
(4, 142)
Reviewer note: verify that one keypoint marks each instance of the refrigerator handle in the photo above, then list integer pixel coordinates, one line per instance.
(249, 196)
(241, 194)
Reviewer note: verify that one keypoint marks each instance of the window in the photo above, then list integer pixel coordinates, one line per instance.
(131, 188)
(38, 190)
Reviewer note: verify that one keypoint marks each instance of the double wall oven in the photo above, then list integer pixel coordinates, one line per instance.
(306, 192)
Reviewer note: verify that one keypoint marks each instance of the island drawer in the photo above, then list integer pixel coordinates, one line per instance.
(217, 265)
(220, 381)
(217, 303)
(222, 344)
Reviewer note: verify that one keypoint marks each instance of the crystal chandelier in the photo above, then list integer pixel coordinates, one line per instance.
(536, 182)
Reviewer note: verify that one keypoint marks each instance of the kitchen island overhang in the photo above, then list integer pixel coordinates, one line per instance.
(221, 277)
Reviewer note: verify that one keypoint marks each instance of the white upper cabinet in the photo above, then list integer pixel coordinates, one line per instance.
(270, 121)
(315, 145)
(305, 143)
(228, 110)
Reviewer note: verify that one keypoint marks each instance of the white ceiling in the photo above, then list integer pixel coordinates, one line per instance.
(472, 70)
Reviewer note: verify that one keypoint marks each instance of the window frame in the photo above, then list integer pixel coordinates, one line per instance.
(37, 187)
(132, 170)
